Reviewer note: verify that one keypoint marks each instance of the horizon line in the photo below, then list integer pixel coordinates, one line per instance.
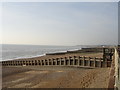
(59, 45)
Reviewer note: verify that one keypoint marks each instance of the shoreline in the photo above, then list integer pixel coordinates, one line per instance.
(99, 55)
(35, 56)
(62, 53)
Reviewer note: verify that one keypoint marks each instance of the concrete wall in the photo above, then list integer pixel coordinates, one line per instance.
(117, 70)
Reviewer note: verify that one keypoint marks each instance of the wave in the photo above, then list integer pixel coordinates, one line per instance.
(24, 52)
(22, 57)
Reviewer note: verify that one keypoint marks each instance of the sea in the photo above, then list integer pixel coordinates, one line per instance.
(11, 51)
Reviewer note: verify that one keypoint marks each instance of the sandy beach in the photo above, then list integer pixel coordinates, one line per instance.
(55, 76)
(52, 77)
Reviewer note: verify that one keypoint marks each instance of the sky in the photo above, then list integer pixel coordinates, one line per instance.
(60, 23)
(119, 25)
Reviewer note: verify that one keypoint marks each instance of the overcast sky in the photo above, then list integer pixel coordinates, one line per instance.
(60, 23)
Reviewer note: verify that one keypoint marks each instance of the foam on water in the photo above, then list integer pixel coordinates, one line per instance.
(10, 52)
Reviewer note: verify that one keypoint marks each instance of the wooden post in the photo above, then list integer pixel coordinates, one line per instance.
(70, 60)
(80, 58)
(65, 61)
(53, 61)
(4, 64)
(18, 63)
(34, 62)
(21, 63)
(106, 63)
(50, 62)
(9, 63)
(28, 63)
(15, 63)
(56, 61)
(60, 61)
(89, 61)
(95, 62)
(78, 61)
(100, 62)
(38, 62)
(84, 61)
(25, 62)
(45, 62)
(73, 60)
(41, 62)
(12, 63)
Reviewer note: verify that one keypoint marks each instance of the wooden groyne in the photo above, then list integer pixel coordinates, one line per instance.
(66, 61)
(83, 50)
(80, 61)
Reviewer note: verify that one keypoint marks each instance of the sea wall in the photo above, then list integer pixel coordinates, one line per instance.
(117, 69)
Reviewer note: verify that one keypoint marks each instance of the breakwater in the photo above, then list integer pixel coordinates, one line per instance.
(66, 61)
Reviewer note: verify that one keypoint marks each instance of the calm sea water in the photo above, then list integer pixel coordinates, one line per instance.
(26, 51)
